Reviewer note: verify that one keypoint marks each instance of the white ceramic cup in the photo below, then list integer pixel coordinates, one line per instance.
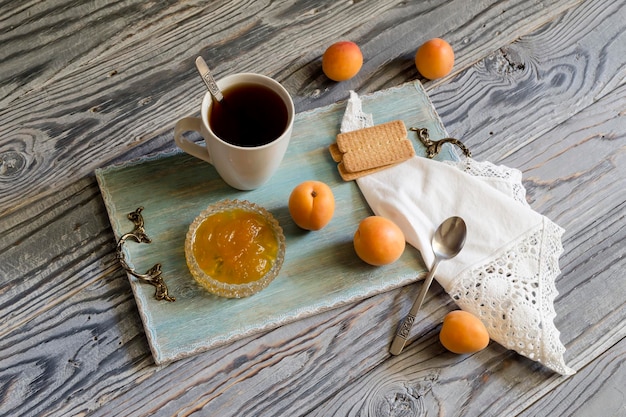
(244, 168)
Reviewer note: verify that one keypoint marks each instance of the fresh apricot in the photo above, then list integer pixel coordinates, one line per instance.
(434, 59)
(463, 332)
(378, 241)
(342, 61)
(312, 205)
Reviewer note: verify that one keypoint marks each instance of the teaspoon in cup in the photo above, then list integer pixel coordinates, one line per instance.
(447, 242)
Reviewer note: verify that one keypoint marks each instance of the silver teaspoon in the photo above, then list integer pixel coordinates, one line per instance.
(447, 242)
(208, 79)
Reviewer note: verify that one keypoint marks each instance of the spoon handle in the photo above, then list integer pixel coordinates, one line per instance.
(208, 79)
(405, 327)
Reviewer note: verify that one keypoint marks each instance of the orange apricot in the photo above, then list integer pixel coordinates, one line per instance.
(312, 205)
(434, 59)
(378, 241)
(342, 61)
(463, 332)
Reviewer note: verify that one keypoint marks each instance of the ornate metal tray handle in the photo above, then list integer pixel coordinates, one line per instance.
(433, 147)
(153, 275)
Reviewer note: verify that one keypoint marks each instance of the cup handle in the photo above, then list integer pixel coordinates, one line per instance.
(190, 124)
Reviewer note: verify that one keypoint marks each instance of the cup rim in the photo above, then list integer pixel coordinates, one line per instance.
(207, 100)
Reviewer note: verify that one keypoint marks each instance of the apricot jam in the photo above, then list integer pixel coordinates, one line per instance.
(235, 246)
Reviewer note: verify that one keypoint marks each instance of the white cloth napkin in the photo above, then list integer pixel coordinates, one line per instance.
(505, 273)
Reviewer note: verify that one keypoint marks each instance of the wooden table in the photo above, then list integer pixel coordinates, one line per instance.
(538, 86)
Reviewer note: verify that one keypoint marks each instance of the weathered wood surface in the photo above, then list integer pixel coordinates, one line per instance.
(536, 86)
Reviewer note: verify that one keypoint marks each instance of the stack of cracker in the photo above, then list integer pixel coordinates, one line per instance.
(364, 151)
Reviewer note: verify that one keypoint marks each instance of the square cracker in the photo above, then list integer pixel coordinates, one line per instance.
(373, 147)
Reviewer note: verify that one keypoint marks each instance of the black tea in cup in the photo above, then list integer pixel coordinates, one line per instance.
(250, 115)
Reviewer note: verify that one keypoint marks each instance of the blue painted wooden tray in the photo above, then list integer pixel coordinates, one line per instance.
(321, 270)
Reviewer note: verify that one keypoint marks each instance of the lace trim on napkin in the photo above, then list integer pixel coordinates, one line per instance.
(486, 170)
(515, 303)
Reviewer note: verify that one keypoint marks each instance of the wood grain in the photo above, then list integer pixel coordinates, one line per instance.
(539, 87)
(116, 99)
(598, 389)
(559, 58)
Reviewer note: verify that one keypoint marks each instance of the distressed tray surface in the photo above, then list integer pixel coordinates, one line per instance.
(321, 270)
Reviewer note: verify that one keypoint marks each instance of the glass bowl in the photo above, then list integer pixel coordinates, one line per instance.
(234, 248)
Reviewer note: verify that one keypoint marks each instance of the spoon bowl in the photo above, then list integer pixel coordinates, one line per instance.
(447, 242)
(449, 238)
